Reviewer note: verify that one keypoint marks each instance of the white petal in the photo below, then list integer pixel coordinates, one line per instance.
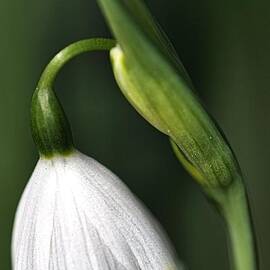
(77, 215)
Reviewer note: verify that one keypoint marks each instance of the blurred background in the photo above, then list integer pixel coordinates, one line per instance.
(224, 46)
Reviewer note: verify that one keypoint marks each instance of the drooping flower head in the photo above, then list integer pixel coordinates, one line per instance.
(77, 215)
(74, 213)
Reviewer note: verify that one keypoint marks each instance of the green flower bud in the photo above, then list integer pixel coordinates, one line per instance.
(154, 81)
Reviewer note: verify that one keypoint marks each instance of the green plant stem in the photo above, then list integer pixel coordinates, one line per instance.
(50, 128)
(52, 69)
(232, 204)
(237, 216)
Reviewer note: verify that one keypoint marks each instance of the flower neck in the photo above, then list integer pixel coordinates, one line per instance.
(50, 127)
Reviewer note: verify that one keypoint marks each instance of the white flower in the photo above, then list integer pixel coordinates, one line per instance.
(77, 215)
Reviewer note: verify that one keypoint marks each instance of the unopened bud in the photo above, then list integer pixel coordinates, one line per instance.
(153, 79)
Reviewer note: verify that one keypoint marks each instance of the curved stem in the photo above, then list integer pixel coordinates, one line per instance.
(50, 127)
(52, 69)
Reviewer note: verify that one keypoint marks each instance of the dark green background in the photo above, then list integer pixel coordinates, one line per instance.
(225, 46)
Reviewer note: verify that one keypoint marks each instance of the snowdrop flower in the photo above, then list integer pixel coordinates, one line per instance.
(77, 215)
(74, 213)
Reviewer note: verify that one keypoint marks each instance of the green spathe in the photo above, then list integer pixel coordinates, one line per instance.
(155, 82)
(153, 79)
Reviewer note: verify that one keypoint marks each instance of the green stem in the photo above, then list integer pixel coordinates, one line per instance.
(68, 53)
(237, 216)
(50, 127)
(232, 203)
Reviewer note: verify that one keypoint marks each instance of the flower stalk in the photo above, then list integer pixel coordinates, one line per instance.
(50, 128)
